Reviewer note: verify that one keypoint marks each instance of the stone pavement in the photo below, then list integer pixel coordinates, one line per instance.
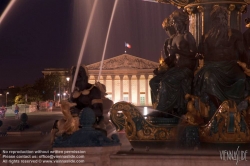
(40, 125)
(39, 121)
(43, 121)
(37, 139)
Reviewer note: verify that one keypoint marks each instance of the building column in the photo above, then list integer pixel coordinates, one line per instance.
(138, 89)
(96, 78)
(121, 87)
(129, 88)
(146, 89)
(113, 87)
(104, 80)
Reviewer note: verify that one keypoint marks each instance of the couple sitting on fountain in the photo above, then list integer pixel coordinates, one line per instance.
(220, 79)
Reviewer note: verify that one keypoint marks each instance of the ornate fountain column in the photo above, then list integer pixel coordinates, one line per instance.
(199, 13)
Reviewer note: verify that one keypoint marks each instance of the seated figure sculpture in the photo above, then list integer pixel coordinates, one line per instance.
(176, 82)
(221, 78)
(67, 125)
(86, 95)
(154, 83)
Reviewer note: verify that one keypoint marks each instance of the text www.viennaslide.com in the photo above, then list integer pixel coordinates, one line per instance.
(39, 161)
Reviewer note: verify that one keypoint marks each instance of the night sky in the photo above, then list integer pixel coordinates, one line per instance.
(38, 34)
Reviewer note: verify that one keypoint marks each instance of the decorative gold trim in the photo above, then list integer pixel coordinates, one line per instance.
(248, 25)
(189, 11)
(76, 94)
(247, 1)
(231, 7)
(243, 65)
(225, 126)
(136, 127)
(94, 101)
(201, 10)
(87, 91)
(209, 3)
(68, 124)
(178, 3)
(243, 8)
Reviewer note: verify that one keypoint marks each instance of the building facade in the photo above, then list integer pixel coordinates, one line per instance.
(126, 78)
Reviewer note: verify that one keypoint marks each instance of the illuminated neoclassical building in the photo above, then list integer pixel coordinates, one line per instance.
(126, 78)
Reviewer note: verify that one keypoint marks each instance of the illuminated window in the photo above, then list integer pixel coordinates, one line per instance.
(125, 97)
(142, 100)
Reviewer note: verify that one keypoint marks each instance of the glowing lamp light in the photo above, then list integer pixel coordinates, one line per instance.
(145, 111)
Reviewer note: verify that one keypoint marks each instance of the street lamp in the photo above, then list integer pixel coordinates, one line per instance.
(68, 92)
(6, 98)
(58, 97)
(64, 95)
(67, 78)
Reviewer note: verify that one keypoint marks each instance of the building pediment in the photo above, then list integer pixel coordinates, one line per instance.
(124, 61)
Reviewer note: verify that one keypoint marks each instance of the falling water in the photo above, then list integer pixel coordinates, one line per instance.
(11, 3)
(106, 41)
(83, 45)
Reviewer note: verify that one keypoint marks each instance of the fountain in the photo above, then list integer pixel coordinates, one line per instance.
(83, 45)
(197, 125)
(106, 41)
(205, 122)
(80, 129)
(8, 8)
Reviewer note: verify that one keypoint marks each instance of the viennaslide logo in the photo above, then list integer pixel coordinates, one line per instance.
(234, 155)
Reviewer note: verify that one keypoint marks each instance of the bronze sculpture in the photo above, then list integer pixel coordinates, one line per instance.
(215, 110)
(86, 95)
(165, 64)
(176, 81)
(67, 125)
(221, 78)
(83, 115)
